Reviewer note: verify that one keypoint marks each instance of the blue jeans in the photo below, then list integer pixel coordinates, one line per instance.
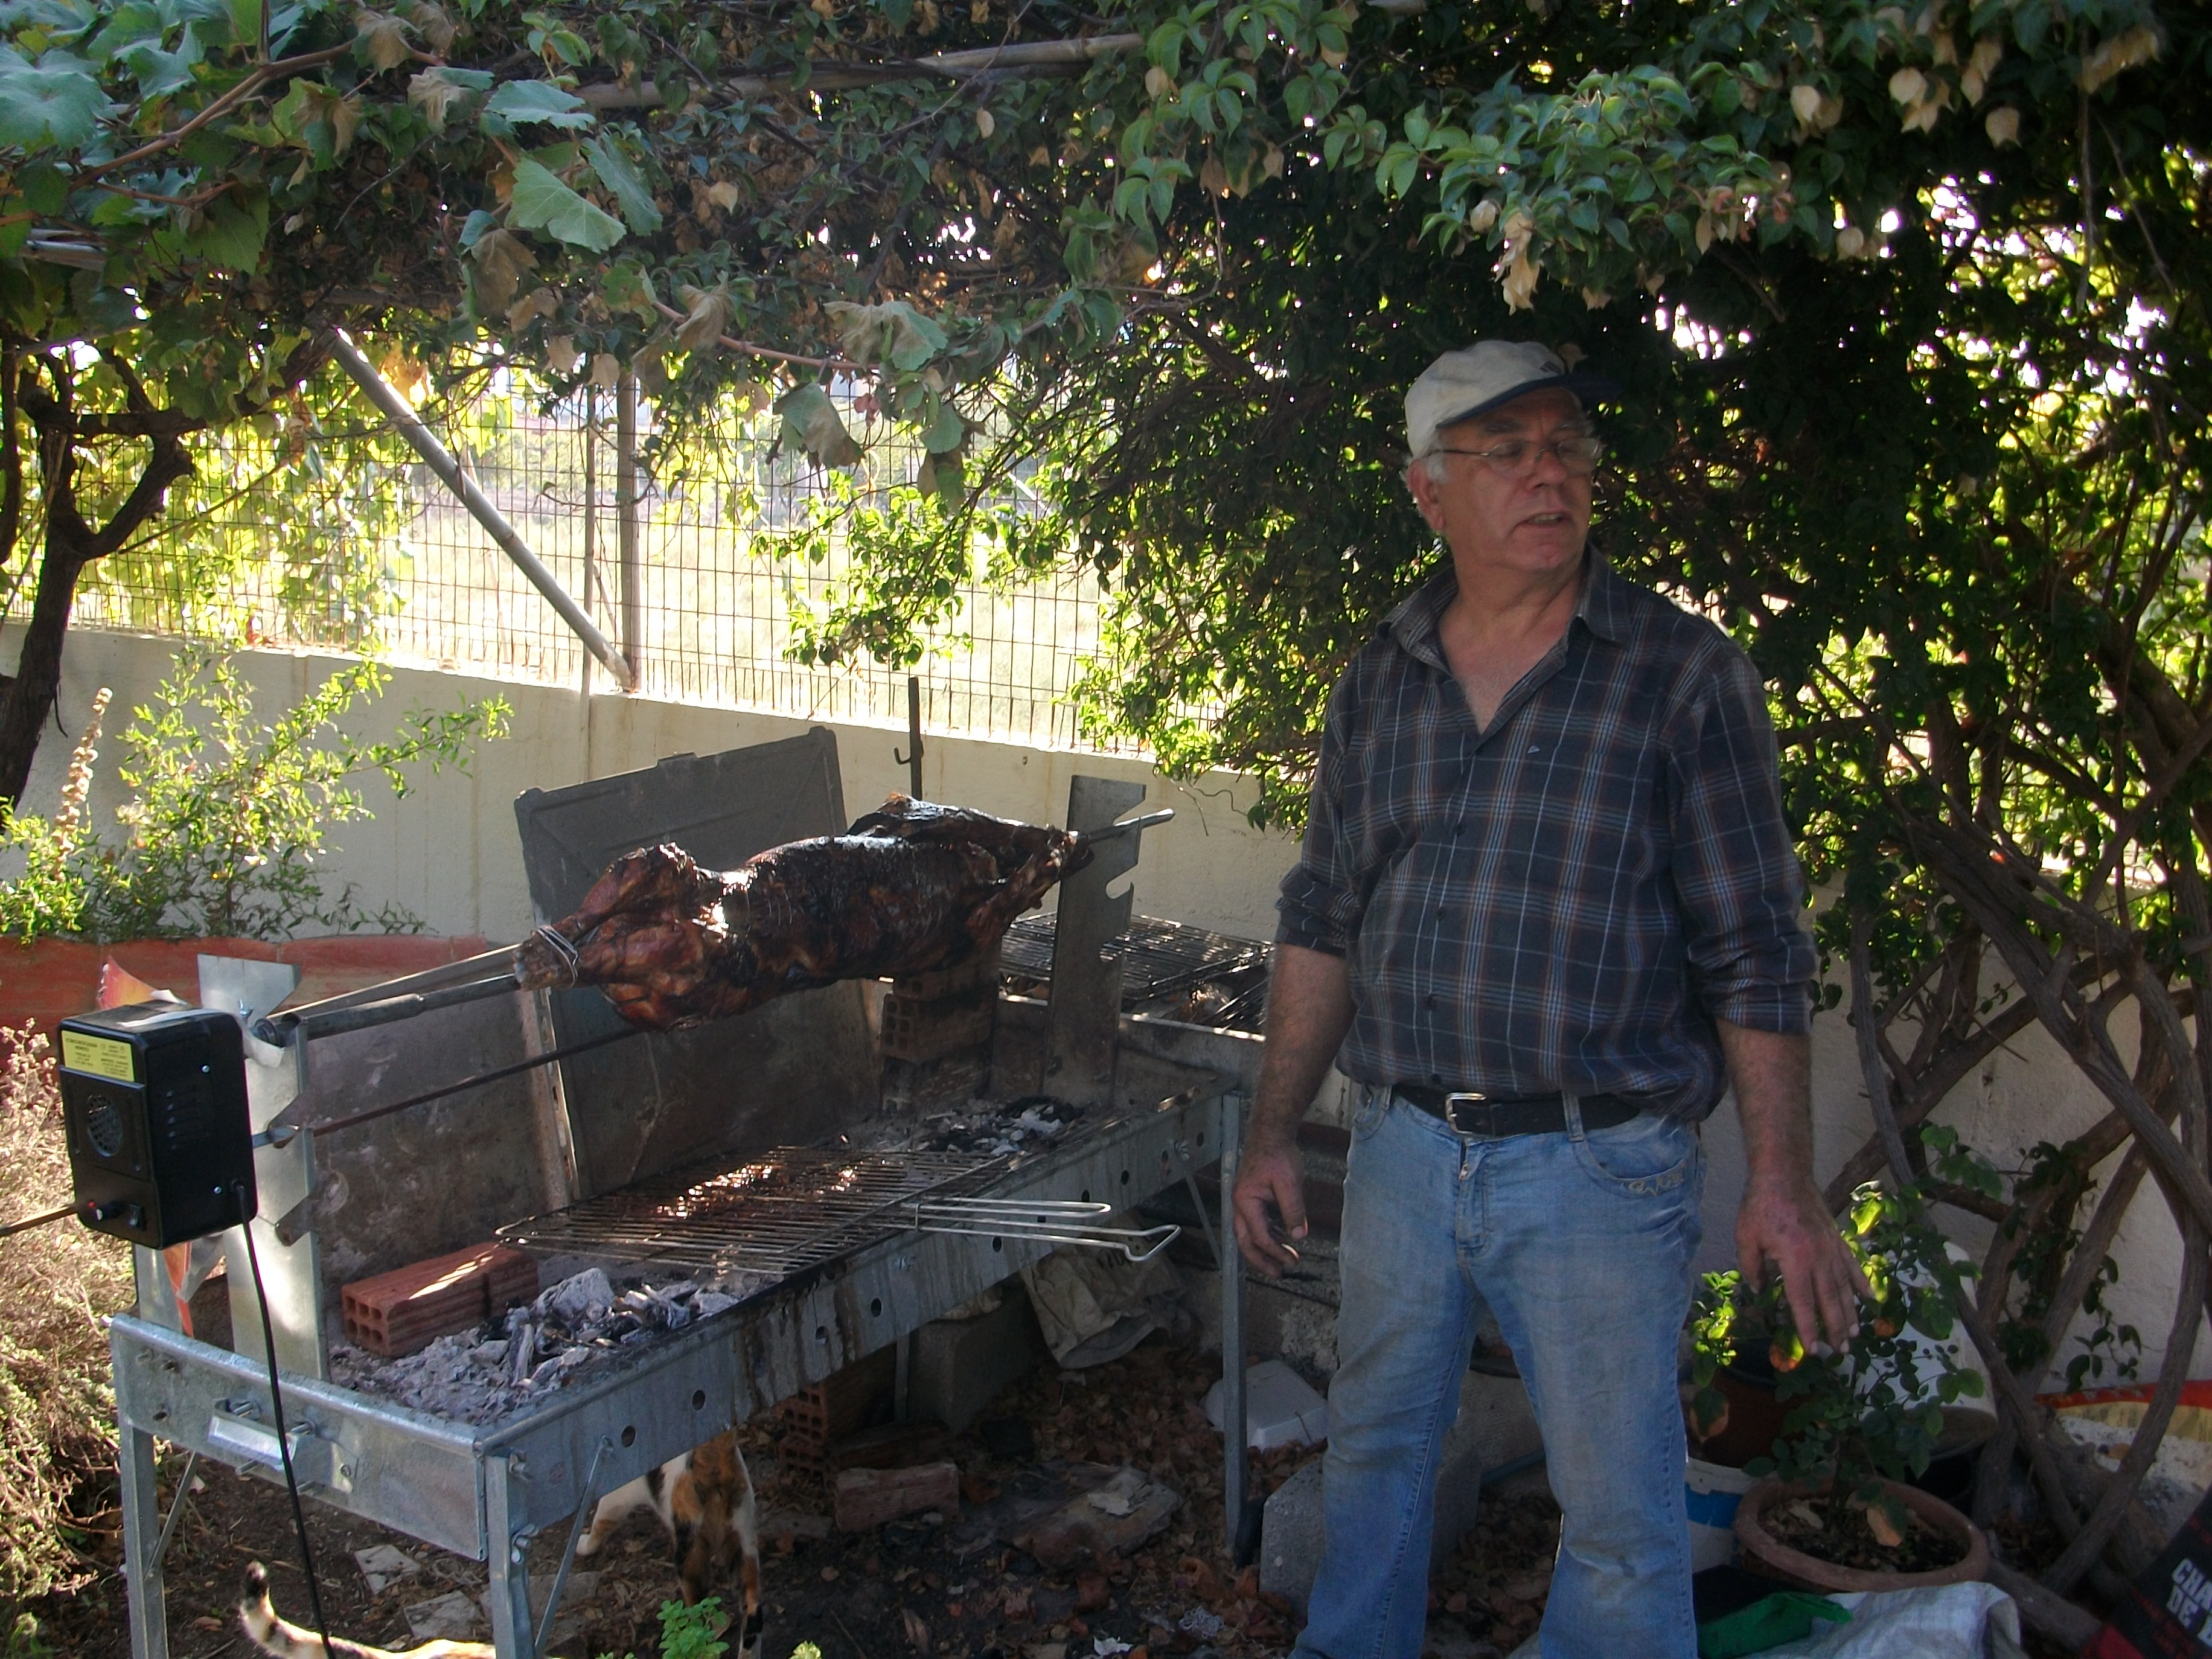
(1581, 1243)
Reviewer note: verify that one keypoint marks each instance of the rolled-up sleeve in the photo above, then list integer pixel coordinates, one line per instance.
(1321, 903)
(1741, 890)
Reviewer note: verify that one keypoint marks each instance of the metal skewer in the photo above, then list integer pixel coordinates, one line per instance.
(1051, 1221)
(1127, 827)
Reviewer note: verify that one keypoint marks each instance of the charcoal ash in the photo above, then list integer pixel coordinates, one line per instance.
(518, 1357)
(993, 1128)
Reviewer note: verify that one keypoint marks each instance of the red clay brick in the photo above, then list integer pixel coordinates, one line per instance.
(394, 1314)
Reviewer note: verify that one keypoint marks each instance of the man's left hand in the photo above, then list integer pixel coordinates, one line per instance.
(1784, 1225)
(1784, 1222)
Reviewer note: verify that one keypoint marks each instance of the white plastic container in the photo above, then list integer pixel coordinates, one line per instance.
(1712, 1491)
(1281, 1407)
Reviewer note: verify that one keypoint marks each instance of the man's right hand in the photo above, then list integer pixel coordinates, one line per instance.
(1271, 1181)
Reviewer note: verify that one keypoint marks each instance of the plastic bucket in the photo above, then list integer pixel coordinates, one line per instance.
(1710, 1491)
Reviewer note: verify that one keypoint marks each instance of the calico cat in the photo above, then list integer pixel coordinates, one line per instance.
(705, 1499)
(286, 1640)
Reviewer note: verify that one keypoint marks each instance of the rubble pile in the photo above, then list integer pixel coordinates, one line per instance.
(480, 1376)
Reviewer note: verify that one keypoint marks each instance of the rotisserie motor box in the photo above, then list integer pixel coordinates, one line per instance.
(154, 1104)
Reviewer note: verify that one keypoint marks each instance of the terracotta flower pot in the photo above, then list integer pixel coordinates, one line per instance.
(1751, 1532)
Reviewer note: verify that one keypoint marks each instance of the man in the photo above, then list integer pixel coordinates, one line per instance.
(1546, 908)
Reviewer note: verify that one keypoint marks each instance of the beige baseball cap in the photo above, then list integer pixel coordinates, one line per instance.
(1462, 383)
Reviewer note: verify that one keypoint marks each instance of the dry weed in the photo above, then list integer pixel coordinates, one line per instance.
(57, 1283)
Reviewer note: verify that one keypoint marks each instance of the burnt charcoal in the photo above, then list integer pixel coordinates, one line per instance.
(909, 888)
(1010, 1438)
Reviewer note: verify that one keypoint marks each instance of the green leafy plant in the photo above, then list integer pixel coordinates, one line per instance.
(224, 832)
(1874, 1412)
(695, 1632)
(691, 1633)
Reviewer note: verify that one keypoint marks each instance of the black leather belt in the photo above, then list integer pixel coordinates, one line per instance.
(1493, 1119)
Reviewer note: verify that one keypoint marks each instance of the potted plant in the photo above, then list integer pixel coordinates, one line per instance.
(1831, 1508)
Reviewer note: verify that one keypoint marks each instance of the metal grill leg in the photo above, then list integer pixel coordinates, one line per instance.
(512, 1636)
(141, 1546)
(1232, 1325)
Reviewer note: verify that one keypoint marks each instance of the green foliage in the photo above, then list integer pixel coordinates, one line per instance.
(1874, 1412)
(224, 832)
(693, 1632)
(690, 1632)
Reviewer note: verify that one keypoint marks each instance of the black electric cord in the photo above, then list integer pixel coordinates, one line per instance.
(29, 1221)
(285, 1442)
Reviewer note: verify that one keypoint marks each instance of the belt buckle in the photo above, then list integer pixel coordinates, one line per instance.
(1477, 1109)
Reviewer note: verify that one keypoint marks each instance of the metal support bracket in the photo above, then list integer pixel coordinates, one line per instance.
(176, 1507)
(583, 1522)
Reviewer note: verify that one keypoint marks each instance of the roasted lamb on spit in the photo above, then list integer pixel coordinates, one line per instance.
(908, 888)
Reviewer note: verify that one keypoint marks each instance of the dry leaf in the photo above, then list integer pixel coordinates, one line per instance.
(1805, 100)
(1884, 1530)
(382, 37)
(605, 371)
(2002, 125)
(723, 194)
(1989, 51)
(538, 302)
(436, 23)
(503, 260)
(810, 422)
(431, 93)
(707, 318)
(1212, 176)
(2138, 45)
(916, 1631)
(1159, 83)
(562, 355)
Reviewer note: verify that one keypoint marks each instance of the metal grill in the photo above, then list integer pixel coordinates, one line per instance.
(1160, 959)
(787, 1209)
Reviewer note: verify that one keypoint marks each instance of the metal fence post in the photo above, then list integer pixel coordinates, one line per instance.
(626, 503)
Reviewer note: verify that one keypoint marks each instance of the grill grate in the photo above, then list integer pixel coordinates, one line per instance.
(1159, 959)
(776, 1213)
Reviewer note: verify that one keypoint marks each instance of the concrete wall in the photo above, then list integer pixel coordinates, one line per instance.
(449, 852)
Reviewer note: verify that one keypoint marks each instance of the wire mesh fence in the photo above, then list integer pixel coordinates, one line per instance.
(708, 606)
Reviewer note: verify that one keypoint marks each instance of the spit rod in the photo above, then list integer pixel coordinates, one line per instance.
(447, 973)
(1127, 827)
(283, 1028)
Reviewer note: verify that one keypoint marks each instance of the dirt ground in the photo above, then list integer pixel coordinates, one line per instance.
(906, 1587)
(947, 1588)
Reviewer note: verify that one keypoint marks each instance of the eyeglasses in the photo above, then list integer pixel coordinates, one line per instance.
(1579, 453)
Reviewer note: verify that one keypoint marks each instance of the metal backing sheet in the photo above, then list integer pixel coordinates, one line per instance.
(796, 1069)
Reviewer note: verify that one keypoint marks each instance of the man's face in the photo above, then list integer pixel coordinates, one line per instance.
(1529, 517)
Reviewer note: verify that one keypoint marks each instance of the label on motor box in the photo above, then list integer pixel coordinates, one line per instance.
(101, 1056)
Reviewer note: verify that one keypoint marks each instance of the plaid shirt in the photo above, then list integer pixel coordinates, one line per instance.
(1571, 898)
